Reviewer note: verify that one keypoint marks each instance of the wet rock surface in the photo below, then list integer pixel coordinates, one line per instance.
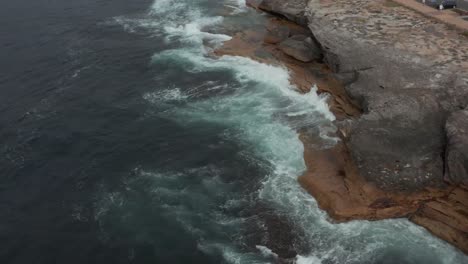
(276, 234)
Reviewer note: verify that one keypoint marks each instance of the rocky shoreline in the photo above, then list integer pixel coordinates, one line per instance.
(399, 86)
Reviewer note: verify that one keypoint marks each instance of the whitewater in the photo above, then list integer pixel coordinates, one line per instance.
(255, 106)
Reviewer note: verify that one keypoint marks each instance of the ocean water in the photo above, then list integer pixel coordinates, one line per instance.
(124, 140)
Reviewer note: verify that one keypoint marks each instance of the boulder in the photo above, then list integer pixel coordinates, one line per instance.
(301, 48)
(293, 10)
(457, 148)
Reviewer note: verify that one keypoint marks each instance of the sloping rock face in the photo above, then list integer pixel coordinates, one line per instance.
(457, 148)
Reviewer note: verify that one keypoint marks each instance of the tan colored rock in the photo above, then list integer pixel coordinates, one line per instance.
(447, 217)
(333, 180)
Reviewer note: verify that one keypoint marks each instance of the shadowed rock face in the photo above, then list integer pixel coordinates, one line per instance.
(457, 149)
(301, 48)
(293, 10)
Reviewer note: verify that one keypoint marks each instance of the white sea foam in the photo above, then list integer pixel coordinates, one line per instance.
(276, 86)
(192, 32)
(266, 91)
(185, 22)
(238, 6)
(165, 95)
(265, 251)
(167, 6)
(258, 113)
(307, 260)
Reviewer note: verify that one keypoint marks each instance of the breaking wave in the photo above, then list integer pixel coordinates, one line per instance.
(256, 107)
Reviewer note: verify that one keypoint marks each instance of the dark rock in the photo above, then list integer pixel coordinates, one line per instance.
(293, 10)
(276, 34)
(302, 50)
(398, 145)
(272, 230)
(457, 148)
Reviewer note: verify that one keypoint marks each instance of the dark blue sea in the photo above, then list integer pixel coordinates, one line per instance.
(123, 139)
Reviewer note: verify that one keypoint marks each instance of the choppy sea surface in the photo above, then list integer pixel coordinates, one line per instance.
(124, 140)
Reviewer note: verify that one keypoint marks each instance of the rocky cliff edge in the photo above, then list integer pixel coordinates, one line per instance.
(407, 154)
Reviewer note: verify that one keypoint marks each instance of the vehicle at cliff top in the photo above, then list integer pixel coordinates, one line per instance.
(440, 4)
